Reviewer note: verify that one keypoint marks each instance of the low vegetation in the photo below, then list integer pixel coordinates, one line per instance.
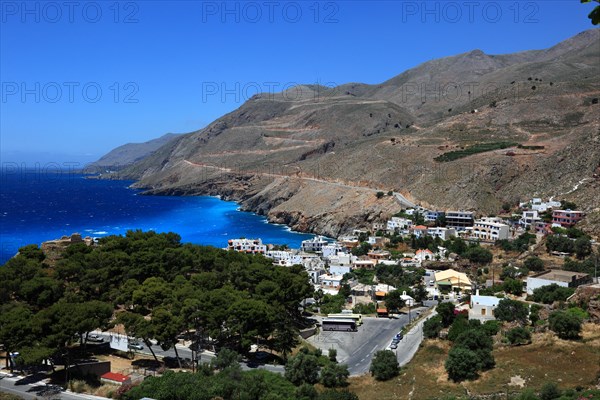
(473, 149)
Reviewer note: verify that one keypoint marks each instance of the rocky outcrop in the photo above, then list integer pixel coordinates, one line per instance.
(589, 295)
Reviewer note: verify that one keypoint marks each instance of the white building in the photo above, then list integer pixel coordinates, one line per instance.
(284, 258)
(315, 244)
(331, 249)
(399, 224)
(490, 229)
(529, 218)
(339, 269)
(342, 258)
(408, 301)
(558, 277)
(482, 307)
(331, 281)
(536, 204)
(251, 246)
(424, 255)
(442, 233)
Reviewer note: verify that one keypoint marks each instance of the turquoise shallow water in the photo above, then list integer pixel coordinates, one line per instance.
(36, 207)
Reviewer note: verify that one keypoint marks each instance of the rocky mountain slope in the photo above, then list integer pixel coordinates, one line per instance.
(314, 157)
(129, 153)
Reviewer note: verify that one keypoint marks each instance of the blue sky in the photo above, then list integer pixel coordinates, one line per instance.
(77, 82)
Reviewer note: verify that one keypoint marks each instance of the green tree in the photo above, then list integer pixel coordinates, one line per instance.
(518, 335)
(332, 355)
(334, 375)
(582, 247)
(566, 325)
(476, 340)
(550, 391)
(479, 255)
(302, 368)
(534, 263)
(384, 365)
(511, 310)
(226, 358)
(380, 195)
(548, 294)
(393, 301)
(432, 327)
(462, 364)
(306, 392)
(446, 312)
(15, 328)
(513, 286)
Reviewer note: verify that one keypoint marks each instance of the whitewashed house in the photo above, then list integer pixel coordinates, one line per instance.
(482, 307)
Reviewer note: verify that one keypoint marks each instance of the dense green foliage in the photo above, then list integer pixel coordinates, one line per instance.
(231, 383)
(181, 286)
(550, 293)
(519, 244)
(474, 149)
(511, 310)
(384, 365)
(479, 255)
(534, 263)
(446, 312)
(432, 327)
(567, 325)
(518, 335)
(472, 349)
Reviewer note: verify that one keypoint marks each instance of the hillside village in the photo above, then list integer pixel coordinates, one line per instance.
(414, 239)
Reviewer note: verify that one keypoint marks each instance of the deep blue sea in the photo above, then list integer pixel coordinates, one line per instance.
(35, 207)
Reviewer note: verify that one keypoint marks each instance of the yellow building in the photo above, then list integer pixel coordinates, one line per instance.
(454, 279)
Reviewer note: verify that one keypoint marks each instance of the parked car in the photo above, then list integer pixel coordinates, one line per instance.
(135, 346)
(92, 337)
(394, 346)
(399, 336)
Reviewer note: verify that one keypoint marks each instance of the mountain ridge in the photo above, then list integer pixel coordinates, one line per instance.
(312, 156)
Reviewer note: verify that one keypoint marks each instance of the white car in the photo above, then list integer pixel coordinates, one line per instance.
(92, 337)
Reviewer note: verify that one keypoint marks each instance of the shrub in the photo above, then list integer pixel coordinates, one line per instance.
(474, 149)
(462, 364)
(550, 391)
(384, 365)
(550, 293)
(446, 312)
(432, 327)
(566, 325)
(511, 310)
(491, 328)
(334, 375)
(379, 194)
(518, 335)
(534, 264)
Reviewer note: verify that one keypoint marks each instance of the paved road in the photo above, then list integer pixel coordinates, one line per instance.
(356, 349)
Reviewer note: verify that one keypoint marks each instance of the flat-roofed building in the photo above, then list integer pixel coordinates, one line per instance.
(559, 277)
(566, 218)
(459, 220)
(482, 307)
(314, 245)
(490, 229)
(250, 246)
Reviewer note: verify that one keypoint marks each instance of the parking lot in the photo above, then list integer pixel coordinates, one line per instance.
(357, 348)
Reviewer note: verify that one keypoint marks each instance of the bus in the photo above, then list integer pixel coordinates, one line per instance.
(344, 315)
(339, 324)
